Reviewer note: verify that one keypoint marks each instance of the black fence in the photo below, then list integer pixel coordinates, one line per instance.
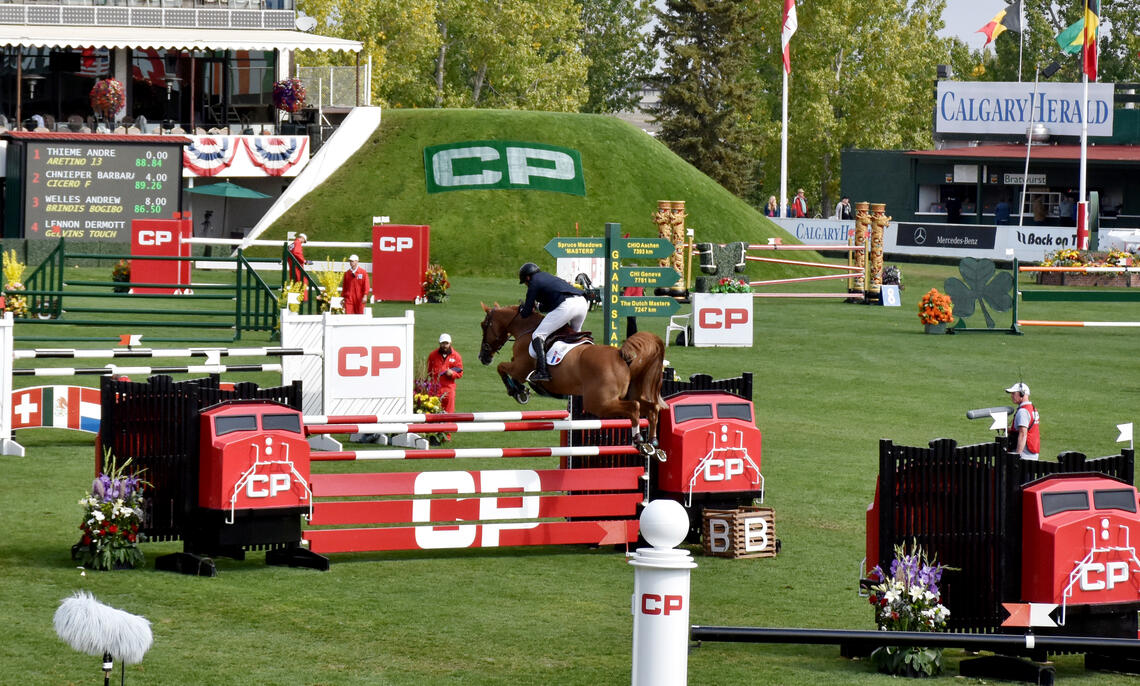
(156, 424)
(963, 505)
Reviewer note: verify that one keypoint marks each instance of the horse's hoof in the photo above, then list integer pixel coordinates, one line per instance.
(661, 455)
(522, 397)
(645, 449)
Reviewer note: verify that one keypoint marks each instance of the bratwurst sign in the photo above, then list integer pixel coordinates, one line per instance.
(1007, 107)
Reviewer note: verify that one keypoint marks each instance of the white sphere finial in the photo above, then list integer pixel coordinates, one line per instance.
(664, 523)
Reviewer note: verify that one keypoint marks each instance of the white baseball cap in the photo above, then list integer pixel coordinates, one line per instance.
(353, 258)
(302, 237)
(444, 338)
(1018, 388)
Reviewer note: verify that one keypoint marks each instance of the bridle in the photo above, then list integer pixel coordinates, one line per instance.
(487, 350)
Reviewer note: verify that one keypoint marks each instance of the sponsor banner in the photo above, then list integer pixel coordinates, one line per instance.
(231, 156)
(1006, 108)
(499, 165)
(829, 231)
(722, 319)
(945, 236)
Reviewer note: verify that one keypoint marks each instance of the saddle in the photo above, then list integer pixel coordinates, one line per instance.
(569, 336)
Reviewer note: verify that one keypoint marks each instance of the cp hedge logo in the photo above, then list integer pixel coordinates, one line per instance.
(498, 165)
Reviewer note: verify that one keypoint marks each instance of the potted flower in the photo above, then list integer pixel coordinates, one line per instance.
(329, 300)
(427, 398)
(121, 273)
(289, 95)
(112, 515)
(935, 310)
(725, 317)
(435, 284)
(15, 303)
(908, 599)
(107, 98)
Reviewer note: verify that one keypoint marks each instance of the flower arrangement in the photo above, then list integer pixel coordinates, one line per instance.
(427, 398)
(731, 285)
(107, 97)
(435, 283)
(908, 599)
(330, 288)
(112, 514)
(288, 288)
(935, 308)
(13, 274)
(1071, 257)
(289, 95)
(121, 273)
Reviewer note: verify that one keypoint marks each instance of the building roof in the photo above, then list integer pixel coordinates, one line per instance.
(63, 137)
(50, 36)
(1068, 153)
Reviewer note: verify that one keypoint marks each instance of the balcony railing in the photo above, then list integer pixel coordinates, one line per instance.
(206, 14)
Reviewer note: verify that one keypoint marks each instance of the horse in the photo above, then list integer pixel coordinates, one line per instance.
(613, 382)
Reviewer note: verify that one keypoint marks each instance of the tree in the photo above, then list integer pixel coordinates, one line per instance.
(463, 53)
(615, 40)
(708, 88)
(863, 75)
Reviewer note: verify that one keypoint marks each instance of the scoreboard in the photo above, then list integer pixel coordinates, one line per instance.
(88, 189)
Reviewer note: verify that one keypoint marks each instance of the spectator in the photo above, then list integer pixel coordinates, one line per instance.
(843, 209)
(953, 209)
(1025, 428)
(772, 209)
(1001, 212)
(799, 204)
(298, 251)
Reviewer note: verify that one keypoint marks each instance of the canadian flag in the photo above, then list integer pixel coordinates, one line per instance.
(790, 26)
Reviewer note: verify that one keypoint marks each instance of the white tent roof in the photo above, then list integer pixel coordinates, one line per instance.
(55, 36)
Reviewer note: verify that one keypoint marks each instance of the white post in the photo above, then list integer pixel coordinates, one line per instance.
(7, 445)
(661, 598)
(784, 151)
(1083, 205)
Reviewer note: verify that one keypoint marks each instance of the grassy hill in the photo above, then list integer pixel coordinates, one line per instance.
(491, 232)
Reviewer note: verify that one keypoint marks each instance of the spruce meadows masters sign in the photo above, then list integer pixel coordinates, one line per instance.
(497, 165)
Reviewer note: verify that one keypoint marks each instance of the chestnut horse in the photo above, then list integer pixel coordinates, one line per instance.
(613, 382)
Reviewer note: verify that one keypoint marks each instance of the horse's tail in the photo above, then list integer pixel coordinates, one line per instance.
(645, 354)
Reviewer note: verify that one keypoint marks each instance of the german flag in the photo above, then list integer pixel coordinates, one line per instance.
(1007, 19)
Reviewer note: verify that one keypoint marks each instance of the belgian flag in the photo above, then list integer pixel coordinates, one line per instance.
(1007, 19)
(1081, 37)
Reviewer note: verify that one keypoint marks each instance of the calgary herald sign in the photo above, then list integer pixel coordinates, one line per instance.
(1006, 108)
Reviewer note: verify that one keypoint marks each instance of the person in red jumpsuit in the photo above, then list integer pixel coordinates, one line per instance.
(298, 250)
(445, 366)
(354, 287)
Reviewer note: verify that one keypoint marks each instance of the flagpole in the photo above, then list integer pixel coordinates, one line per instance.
(1082, 212)
(1020, 37)
(1028, 147)
(784, 151)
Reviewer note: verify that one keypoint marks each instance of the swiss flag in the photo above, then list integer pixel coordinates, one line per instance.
(27, 408)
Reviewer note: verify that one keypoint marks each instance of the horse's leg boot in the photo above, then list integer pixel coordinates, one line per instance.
(540, 373)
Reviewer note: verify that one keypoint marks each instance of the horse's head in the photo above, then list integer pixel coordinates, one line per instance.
(496, 330)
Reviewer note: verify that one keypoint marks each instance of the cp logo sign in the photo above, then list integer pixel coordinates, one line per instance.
(148, 237)
(722, 318)
(395, 243)
(267, 485)
(362, 361)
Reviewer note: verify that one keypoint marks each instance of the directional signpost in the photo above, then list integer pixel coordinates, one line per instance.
(614, 249)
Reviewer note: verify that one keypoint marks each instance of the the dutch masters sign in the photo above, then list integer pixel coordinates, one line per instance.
(974, 107)
(496, 165)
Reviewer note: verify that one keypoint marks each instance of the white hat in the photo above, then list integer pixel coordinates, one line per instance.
(302, 237)
(444, 338)
(353, 258)
(1018, 388)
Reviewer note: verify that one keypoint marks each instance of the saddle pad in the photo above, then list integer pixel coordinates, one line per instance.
(558, 350)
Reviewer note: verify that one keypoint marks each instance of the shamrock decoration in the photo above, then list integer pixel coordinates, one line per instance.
(981, 284)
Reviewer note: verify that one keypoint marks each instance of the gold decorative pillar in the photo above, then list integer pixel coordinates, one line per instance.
(862, 224)
(670, 221)
(879, 222)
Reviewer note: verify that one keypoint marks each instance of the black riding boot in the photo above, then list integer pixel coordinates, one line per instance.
(540, 372)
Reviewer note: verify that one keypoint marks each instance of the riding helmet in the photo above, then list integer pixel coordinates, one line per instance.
(526, 270)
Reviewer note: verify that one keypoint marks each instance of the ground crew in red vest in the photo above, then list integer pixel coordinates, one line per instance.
(1025, 427)
(354, 287)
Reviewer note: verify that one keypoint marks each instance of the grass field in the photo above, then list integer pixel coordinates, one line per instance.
(831, 380)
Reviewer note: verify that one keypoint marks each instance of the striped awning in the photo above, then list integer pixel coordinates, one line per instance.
(25, 35)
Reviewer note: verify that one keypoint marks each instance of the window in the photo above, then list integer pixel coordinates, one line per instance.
(281, 422)
(234, 422)
(742, 411)
(684, 413)
(1116, 499)
(1054, 503)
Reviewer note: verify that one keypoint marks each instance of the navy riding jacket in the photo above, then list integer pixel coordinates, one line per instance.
(548, 291)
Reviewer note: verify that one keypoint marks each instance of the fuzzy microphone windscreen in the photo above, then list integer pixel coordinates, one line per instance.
(91, 627)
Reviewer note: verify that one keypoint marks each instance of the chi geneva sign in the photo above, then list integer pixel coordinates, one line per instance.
(1007, 107)
(487, 165)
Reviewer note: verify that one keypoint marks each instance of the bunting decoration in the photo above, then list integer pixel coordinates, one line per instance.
(209, 156)
(275, 155)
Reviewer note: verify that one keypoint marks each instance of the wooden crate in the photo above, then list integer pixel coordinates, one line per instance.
(732, 536)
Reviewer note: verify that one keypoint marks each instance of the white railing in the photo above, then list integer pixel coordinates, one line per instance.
(231, 14)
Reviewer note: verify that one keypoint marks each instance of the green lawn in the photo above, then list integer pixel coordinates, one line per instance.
(831, 380)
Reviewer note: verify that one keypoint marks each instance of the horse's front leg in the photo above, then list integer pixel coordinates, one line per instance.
(515, 388)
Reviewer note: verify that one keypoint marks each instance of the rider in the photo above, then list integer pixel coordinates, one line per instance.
(560, 302)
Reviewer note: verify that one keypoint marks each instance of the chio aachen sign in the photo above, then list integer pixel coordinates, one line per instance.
(1005, 108)
(489, 165)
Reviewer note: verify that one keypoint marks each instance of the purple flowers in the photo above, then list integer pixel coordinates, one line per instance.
(107, 489)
